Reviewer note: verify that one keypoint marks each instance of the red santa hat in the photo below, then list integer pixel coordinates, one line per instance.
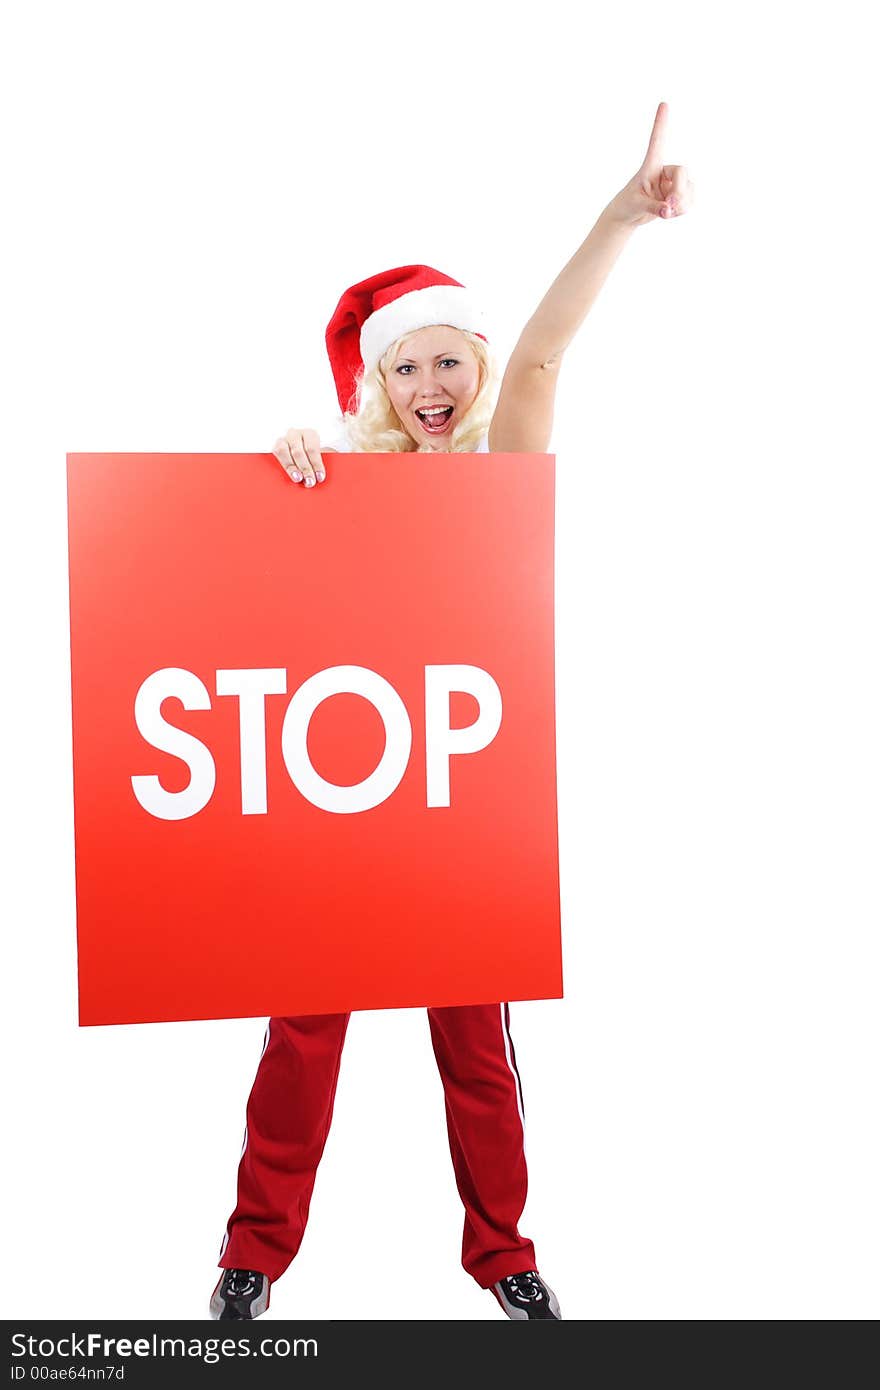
(374, 314)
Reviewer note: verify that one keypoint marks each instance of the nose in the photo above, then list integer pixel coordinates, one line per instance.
(430, 385)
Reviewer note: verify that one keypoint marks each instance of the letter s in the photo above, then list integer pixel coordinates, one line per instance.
(156, 731)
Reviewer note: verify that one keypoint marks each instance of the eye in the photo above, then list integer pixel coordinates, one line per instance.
(404, 369)
(449, 362)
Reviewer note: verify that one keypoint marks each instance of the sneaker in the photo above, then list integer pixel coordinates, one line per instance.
(527, 1296)
(241, 1293)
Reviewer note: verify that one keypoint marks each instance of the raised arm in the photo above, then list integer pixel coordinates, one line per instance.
(524, 414)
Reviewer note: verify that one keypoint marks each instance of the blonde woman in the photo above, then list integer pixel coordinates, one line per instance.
(413, 373)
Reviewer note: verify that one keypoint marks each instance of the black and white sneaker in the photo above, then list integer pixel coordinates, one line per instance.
(527, 1296)
(241, 1293)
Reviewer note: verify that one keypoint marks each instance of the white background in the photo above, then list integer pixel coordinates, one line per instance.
(188, 188)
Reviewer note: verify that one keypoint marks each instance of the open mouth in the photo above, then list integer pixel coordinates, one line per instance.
(435, 419)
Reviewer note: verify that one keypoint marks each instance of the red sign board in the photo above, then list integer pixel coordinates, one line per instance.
(313, 734)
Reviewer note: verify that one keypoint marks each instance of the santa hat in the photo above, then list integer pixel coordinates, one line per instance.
(374, 314)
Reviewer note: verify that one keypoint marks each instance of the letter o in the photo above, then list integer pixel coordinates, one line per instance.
(385, 778)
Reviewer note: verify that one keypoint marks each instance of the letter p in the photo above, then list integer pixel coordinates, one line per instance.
(441, 742)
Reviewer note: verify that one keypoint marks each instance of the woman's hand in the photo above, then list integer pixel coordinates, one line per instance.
(299, 454)
(658, 189)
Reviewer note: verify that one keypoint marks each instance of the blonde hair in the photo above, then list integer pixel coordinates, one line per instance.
(376, 429)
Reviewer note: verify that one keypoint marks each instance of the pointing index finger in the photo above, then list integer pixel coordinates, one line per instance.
(654, 158)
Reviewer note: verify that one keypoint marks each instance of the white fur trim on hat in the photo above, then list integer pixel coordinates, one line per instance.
(450, 304)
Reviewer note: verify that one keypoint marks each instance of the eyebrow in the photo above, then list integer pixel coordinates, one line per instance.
(437, 358)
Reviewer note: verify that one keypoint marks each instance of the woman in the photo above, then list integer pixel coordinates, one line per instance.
(413, 373)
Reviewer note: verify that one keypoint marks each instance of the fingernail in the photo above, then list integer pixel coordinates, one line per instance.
(297, 477)
(310, 482)
(320, 477)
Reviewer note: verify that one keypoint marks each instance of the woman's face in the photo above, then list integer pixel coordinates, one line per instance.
(432, 383)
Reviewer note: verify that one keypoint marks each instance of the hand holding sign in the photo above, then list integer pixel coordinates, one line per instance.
(299, 453)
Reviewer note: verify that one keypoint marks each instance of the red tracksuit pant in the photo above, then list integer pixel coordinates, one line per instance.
(288, 1119)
